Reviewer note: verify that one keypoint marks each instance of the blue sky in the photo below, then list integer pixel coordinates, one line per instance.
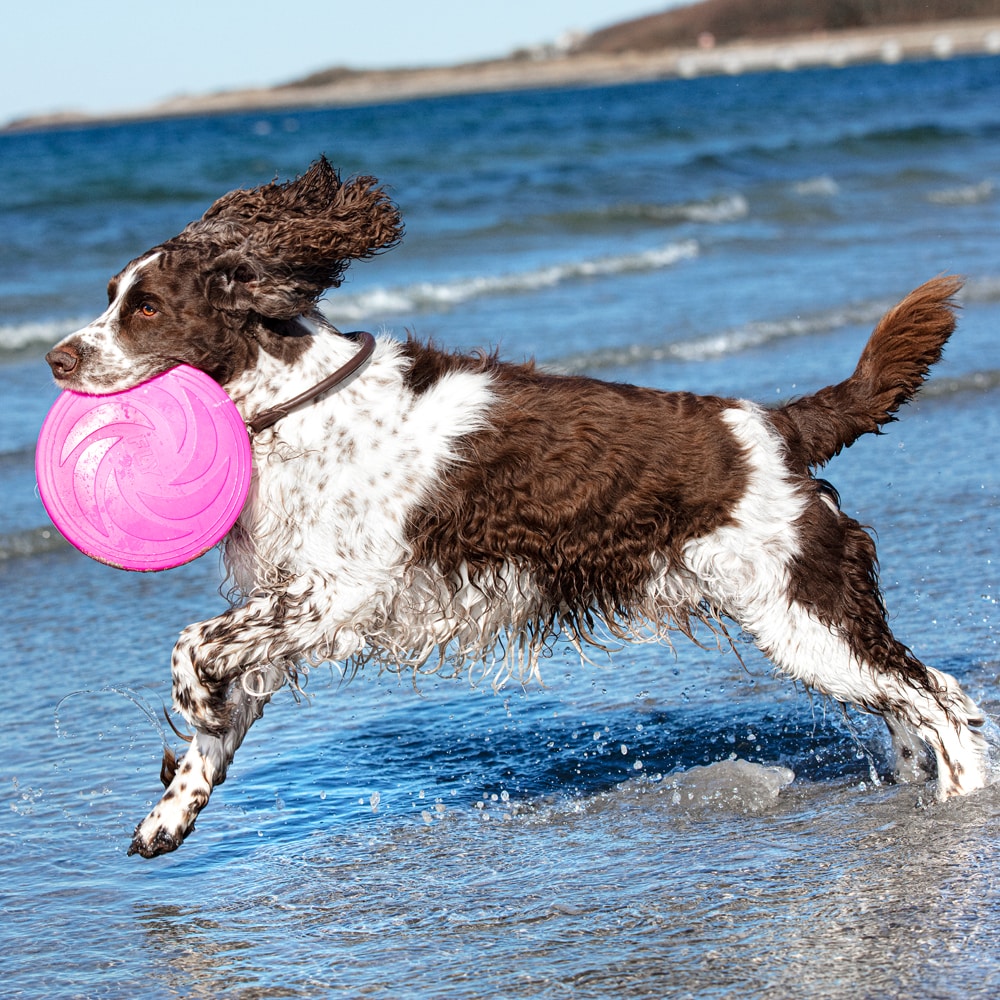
(105, 55)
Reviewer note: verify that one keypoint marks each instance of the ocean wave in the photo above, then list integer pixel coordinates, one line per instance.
(984, 289)
(847, 139)
(37, 336)
(963, 194)
(425, 296)
(823, 186)
(723, 343)
(761, 333)
(916, 134)
(433, 296)
(17, 457)
(982, 381)
(31, 542)
(712, 211)
(715, 210)
(429, 296)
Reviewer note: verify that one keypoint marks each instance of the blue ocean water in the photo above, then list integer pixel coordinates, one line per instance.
(737, 235)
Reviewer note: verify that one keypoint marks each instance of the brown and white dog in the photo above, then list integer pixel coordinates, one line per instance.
(438, 506)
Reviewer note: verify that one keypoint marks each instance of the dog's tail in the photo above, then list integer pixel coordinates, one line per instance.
(895, 361)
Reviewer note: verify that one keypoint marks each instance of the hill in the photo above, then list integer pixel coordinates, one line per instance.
(725, 21)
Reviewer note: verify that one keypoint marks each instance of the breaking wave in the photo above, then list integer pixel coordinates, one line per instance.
(18, 339)
(712, 211)
(432, 296)
(750, 336)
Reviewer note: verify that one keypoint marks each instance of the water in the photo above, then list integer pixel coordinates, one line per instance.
(655, 825)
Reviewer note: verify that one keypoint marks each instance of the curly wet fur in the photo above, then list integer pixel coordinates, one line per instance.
(441, 510)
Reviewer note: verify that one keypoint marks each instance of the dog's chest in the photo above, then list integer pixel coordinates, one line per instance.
(336, 482)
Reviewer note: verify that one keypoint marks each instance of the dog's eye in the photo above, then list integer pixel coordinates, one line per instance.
(147, 310)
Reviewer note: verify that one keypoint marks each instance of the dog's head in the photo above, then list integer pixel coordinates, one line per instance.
(230, 283)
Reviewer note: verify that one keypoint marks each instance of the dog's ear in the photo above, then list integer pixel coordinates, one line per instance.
(232, 284)
(288, 243)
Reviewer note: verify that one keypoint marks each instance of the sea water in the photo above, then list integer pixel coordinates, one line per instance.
(657, 823)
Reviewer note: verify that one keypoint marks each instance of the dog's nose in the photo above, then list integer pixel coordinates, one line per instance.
(63, 360)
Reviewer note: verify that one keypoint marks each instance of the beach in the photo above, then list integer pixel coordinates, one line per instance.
(655, 822)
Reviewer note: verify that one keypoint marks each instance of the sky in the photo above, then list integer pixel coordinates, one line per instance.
(108, 55)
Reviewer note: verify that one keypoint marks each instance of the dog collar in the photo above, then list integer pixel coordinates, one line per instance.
(270, 417)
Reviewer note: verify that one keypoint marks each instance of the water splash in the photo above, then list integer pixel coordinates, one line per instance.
(732, 786)
(104, 803)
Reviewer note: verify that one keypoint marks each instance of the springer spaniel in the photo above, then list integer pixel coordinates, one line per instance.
(446, 507)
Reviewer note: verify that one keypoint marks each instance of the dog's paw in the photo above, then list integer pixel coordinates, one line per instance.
(154, 842)
(172, 818)
(162, 831)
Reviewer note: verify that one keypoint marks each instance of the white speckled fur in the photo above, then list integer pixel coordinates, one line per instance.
(111, 367)
(341, 513)
(336, 520)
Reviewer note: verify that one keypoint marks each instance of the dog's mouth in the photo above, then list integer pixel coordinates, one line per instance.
(77, 369)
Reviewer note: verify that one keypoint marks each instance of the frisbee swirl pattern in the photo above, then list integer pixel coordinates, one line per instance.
(148, 478)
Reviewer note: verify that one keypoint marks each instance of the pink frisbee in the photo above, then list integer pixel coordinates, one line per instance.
(148, 478)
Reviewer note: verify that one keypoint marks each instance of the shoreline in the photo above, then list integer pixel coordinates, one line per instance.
(938, 40)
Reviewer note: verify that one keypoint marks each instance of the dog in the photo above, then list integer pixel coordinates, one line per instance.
(413, 507)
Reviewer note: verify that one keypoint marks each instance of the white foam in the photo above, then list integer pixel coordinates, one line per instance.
(714, 211)
(823, 186)
(427, 296)
(725, 342)
(20, 336)
(964, 194)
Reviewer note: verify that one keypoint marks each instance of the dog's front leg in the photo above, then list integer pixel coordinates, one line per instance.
(202, 768)
(224, 673)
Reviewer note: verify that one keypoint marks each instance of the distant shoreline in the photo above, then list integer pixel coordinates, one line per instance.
(939, 40)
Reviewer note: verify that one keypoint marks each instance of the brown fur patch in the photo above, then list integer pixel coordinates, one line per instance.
(585, 484)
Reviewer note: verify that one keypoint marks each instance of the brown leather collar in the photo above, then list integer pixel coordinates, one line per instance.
(342, 374)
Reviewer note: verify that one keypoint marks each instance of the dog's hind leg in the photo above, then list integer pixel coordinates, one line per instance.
(836, 579)
(829, 630)
(801, 578)
(919, 704)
